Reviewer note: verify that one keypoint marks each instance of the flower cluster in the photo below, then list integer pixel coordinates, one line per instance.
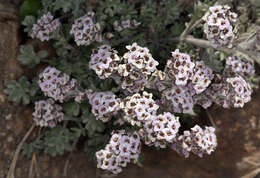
(179, 98)
(240, 91)
(104, 105)
(122, 149)
(47, 113)
(104, 61)
(220, 25)
(174, 89)
(138, 109)
(235, 65)
(45, 27)
(131, 71)
(161, 130)
(180, 68)
(190, 79)
(56, 84)
(229, 92)
(202, 77)
(198, 141)
(85, 31)
(125, 24)
(138, 65)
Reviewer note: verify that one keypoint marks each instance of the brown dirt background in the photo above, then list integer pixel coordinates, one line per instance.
(238, 132)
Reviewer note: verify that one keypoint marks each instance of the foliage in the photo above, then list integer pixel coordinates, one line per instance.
(29, 7)
(64, 6)
(95, 143)
(28, 22)
(21, 91)
(71, 108)
(92, 125)
(53, 142)
(29, 57)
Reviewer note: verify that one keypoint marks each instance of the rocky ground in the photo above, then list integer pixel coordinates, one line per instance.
(238, 132)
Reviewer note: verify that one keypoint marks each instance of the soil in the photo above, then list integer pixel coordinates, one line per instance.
(238, 132)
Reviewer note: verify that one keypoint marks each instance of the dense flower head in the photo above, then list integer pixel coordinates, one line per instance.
(220, 25)
(236, 65)
(45, 27)
(85, 31)
(241, 91)
(202, 77)
(125, 24)
(47, 113)
(56, 84)
(161, 130)
(179, 99)
(137, 66)
(139, 108)
(180, 68)
(230, 92)
(122, 149)
(104, 61)
(104, 105)
(198, 141)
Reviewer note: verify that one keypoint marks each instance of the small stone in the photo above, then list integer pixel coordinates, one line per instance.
(8, 117)
(8, 127)
(2, 98)
(10, 139)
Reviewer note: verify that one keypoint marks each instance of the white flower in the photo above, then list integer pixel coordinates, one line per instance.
(220, 26)
(85, 31)
(122, 149)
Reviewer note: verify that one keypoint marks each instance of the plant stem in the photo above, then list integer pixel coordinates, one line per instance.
(17, 152)
(206, 44)
(193, 24)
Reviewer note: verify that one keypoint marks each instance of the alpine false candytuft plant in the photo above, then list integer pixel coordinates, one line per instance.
(131, 73)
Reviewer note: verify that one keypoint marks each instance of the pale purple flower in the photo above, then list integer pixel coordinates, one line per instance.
(44, 28)
(220, 25)
(161, 130)
(125, 24)
(197, 141)
(56, 84)
(104, 105)
(47, 113)
(139, 108)
(122, 149)
(85, 31)
(180, 68)
(104, 61)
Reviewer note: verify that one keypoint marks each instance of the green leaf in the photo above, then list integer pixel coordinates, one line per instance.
(34, 147)
(140, 160)
(29, 57)
(21, 91)
(213, 61)
(42, 54)
(59, 139)
(28, 22)
(95, 143)
(65, 6)
(29, 7)
(71, 108)
(92, 124)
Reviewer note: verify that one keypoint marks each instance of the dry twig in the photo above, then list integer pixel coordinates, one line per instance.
(32, 166)
(252, 174)
(17, 152)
